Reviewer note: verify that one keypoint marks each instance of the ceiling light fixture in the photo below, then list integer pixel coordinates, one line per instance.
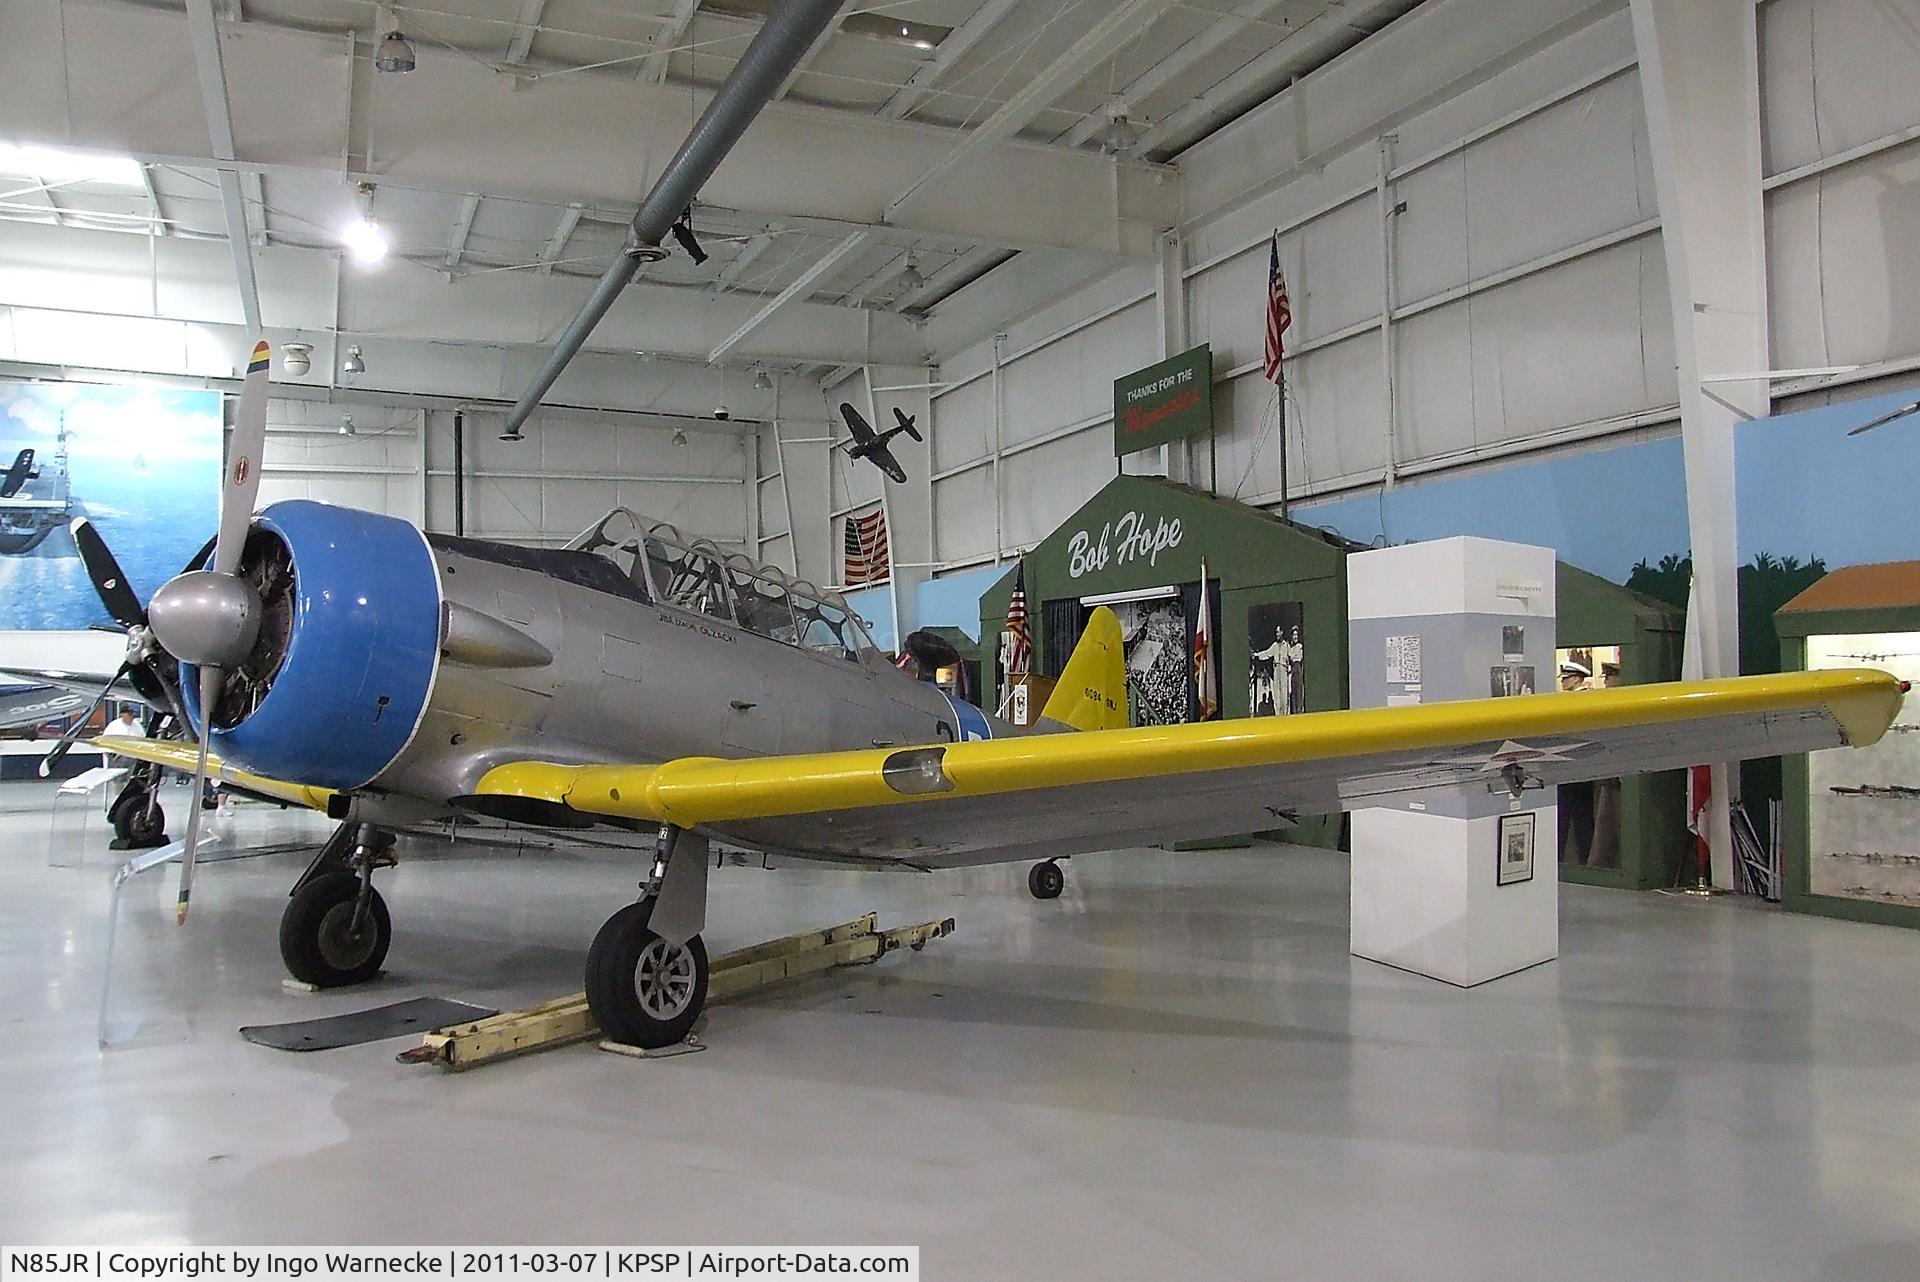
(353, 366)
(1120, 135)
(346, 425)
(762, 382)
(296, 358)
(395, 54)
(363, 236)
(680, 437)
(912, 277)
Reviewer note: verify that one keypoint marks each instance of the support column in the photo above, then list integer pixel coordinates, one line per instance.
(1176, 457)
(1699, 76)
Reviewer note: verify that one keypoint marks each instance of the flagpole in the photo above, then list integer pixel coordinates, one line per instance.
(1280, 390)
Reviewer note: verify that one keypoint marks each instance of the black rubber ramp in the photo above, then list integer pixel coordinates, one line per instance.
(419, 1015)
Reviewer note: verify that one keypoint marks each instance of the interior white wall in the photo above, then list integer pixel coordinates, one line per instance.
(565, 475)
(1528, 305)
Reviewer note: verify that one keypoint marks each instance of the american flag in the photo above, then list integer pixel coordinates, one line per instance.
(1279, 311)
(865, 549)
(1020, 648)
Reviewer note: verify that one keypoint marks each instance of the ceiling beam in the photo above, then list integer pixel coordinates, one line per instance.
(160, 227)
(1123, 24)
(748, 254)
(562, 233)
(653, 68)
(1219, 32)
(1325, 31)
(44, 191)
(462, 228)
(955, 47)
(833, 258)
(525, 27)
(212, 70)
(253, 194)
(833, 29)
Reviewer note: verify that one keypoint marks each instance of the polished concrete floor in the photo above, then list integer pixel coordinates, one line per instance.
(1175, 1070)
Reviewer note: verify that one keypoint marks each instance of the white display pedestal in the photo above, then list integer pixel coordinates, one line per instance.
(1452, 619)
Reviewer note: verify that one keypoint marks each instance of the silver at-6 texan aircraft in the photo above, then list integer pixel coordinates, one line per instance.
(351, 662)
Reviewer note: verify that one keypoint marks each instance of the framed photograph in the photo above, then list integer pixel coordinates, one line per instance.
(1516, 849)
(1513, 642)
(1508, 679)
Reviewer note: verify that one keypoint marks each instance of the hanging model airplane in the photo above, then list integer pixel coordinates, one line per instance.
(871, 445)
(349, 662)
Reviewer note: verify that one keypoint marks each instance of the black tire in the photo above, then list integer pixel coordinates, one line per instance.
(614, 981)
(135, 821)
(314, 942)
(1046, 881)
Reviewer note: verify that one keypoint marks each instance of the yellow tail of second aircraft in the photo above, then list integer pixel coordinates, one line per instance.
(1092, 693)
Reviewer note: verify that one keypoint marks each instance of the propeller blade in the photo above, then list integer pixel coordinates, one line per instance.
(1885, 419)
(123, 607)
(209, 692)
(60, 750)
(241, 485)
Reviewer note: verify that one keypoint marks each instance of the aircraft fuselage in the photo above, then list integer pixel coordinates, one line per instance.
(415, 663)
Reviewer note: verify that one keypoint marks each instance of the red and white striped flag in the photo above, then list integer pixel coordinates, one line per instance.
(1020, 645)
(865, 549)
(1279, 312)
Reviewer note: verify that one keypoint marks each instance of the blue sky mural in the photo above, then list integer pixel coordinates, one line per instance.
(1804, 489)
(142, 463)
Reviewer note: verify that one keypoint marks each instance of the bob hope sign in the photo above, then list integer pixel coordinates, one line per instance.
(1163, 402)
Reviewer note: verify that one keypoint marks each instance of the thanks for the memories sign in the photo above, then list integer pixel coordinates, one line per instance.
(1164, 401)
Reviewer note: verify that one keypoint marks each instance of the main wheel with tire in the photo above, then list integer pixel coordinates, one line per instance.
(318, 941)
(1046, 881)
(141, 822)
(642, 989)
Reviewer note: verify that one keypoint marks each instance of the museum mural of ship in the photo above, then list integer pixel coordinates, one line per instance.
(37, 504)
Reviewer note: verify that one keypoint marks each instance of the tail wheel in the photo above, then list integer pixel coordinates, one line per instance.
(644, 990)
(318, 938)
(1046, 881)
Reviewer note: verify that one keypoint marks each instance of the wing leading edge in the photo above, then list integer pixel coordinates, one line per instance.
(971, 802)
(183, 756)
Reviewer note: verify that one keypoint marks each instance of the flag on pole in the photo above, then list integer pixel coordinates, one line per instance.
(864, 550)
(1206, 664)
(1020, 646)
(1279, 312)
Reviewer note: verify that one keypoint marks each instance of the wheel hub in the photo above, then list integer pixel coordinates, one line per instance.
(339, 944)
(663, 979)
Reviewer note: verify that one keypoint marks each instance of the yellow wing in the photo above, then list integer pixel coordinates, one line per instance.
(981, 801)
(183, 756)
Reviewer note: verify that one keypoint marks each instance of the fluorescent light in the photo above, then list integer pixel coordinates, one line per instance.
(365, 240)
(56, 165)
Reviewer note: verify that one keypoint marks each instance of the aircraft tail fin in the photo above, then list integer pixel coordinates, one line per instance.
(18, 475)
(1092, 692)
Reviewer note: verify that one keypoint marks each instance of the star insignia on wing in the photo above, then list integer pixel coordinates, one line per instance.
(1513, 753)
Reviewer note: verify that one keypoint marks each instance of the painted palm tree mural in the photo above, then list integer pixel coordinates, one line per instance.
(1765, 584)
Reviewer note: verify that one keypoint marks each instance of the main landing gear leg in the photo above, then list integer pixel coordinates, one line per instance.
(336, 929)
(647, 969)
(1046, 881)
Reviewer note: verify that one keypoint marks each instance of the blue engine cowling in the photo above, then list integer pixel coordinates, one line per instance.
(361, 649)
